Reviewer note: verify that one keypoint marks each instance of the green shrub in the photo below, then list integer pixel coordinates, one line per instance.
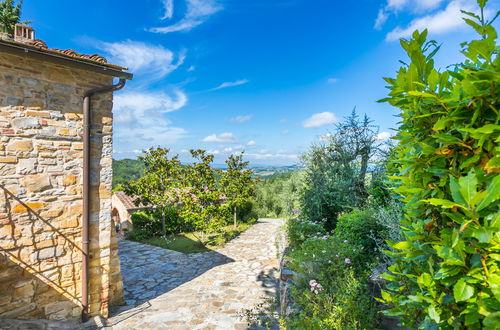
(344, 300)
(247, 212)
(300, 230)
(336, 170)
(446, 272)
(149, 222)
(360, 228)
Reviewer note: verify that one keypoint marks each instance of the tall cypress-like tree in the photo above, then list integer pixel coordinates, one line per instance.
(10, 15)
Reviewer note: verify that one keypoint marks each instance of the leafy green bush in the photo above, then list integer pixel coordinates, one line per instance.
(360, 227)
(446, 273)
(333, 289)
(280, 195)
(336, 170)
(150, 222)
(247, 211)
(300, 230)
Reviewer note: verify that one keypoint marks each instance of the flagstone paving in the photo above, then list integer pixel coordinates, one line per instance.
(170, 290)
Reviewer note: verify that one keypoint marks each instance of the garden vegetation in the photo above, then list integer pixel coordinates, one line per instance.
(411, 229)
(190, 198)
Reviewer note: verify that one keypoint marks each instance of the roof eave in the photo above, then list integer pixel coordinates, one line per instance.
(32, 52)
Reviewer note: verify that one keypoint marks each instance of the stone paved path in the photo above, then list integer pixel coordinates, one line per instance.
(171, 290)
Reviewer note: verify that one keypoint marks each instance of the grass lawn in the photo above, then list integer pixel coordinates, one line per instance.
(190, 242)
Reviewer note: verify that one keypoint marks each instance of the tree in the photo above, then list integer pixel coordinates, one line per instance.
(162, 176)
(202, 199)
(336, 169)
(237, 183)
(445, 274)
(10, 15)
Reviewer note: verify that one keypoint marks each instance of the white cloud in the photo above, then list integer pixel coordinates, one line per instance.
(440, 22)
(251, 143)
(213, 152)
(169, 9)
(230, 84)
(383, 136)
(443, 21)
(142, 102)
(153, 61)
(411, 5)
(381, 19)
(332, 80)
(240, 119)
(140, 119)
(320, 119)
(396, 6)
(325, 137)
(197, 12)
(273, 156)
(221, 138)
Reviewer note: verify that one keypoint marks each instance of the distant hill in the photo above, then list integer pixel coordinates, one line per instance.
(267, 172)
(126, 170)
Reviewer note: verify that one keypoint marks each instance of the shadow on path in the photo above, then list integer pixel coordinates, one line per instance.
(149, 271)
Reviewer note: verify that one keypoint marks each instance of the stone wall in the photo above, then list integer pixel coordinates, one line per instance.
(41, 169)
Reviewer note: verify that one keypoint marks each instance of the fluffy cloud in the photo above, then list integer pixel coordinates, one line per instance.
(273, 156)
(230, 84)
(221, 138)
(240, 119)
(169, 9)
(197, 12)
(383, 136)
(153, 61)
(416, 6)
(251, 143)
(320, 119)
(140, 119)
(442, 21)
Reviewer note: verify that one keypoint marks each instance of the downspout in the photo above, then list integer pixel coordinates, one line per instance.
(86, 188)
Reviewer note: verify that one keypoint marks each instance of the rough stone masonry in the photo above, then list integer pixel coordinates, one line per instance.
(41, 168)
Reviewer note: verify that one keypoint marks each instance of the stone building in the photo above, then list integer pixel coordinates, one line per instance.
(55, 182)
(123, 207)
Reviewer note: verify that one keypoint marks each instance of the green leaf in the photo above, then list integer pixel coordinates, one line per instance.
(482, 234)
(468, 186)
(494, 283)
(493, 163)
(446, 204)
(455, 191)
(492, 321)
(462, 291)
(421, 94)
(441, 123)
(405, 245)
(493, 194)
(433, 314)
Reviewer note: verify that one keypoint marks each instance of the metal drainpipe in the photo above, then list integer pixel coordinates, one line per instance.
(86, 188)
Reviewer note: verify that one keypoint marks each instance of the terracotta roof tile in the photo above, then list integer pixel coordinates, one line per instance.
(128, 201)
(42, 46)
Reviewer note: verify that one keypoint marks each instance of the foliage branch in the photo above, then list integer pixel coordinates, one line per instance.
(446, 271)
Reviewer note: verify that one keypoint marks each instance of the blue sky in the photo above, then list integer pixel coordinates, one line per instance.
(265, 76)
